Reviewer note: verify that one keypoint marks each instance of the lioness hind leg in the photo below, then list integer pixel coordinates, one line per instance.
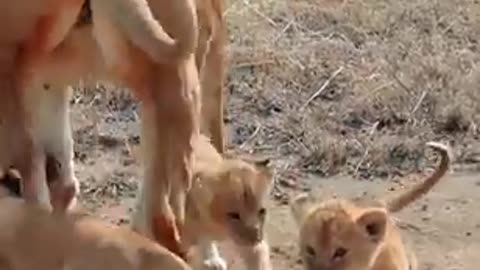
(212, 101)
(211, 63)
(166, 83)
(169, 121)
(160, 226)
(169, 124)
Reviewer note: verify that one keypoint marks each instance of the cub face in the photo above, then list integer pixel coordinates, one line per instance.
(336, 235)
(239, 200)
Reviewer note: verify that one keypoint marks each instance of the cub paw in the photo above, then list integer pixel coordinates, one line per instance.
(214, 263)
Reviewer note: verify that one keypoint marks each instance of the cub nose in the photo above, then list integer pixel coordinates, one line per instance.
(255, 234)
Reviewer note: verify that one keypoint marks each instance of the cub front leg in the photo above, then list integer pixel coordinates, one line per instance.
(209, 256)
(256, 257)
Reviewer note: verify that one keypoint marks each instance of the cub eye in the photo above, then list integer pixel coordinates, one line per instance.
(233, 215)
(262, 212)
(310, 251)
(339, 253)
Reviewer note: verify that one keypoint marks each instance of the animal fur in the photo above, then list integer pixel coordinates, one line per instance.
(339, 234)
(148, 46)
(227, 202)
(31, 238)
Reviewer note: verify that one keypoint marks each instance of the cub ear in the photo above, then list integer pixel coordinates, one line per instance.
(300, 207)
(373, 223)
(265, 172)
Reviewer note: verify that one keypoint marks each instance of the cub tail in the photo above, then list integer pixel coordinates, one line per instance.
(416, 191)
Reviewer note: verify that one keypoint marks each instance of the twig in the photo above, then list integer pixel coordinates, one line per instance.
(253, 63)
(373, 128)
(406, 225)
(367, 149)
(259, 13)
(289, 24)
(294, 61)
(251, 136)
(403, 85)
(419, 102)
(323, 87)
(364, 156)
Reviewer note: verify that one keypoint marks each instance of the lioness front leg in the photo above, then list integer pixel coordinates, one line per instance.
(31, 167)
(256, 257)
(49, 106)
(49, 27)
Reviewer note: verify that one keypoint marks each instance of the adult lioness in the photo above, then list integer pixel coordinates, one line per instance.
(146, 45)
(343, 235)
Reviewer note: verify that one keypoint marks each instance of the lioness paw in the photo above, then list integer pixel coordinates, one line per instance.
(214, 263)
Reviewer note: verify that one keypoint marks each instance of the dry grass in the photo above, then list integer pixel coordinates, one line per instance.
(407, 73)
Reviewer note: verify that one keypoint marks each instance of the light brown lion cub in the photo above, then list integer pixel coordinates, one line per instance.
(342, 235)
(32, 238)
(226, 202)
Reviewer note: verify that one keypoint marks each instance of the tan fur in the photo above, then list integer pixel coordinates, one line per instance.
(227, 202)
(31, 238)
(339, 234)
(149, 46)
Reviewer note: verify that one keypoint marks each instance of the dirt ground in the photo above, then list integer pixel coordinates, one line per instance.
(342, 96)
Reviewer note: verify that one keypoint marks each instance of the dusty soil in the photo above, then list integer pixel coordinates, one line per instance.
(385, 76)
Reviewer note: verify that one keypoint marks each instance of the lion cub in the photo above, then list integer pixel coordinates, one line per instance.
(227, 202)
(342, 235)
(32, 238)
